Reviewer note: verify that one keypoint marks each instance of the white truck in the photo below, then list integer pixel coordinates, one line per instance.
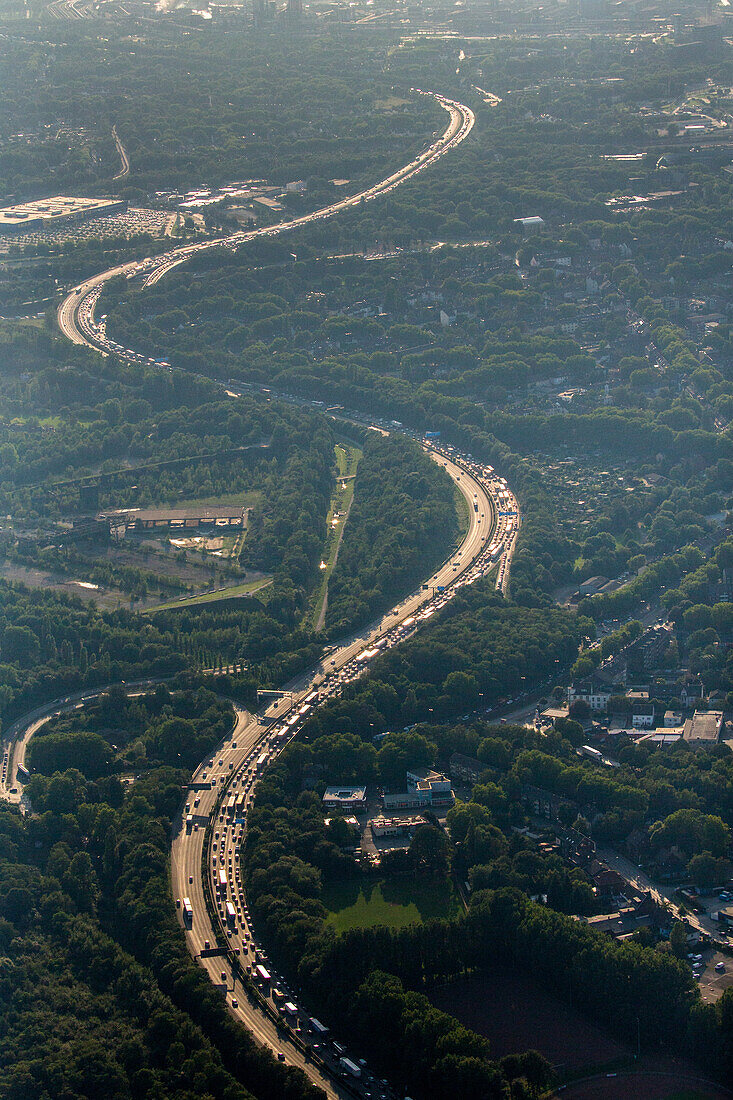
(350, 1067)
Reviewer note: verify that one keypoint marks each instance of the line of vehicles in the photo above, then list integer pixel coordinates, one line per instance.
(236, 785)
(153, 268)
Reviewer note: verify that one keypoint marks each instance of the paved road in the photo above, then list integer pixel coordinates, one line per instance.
(663, 895)
(233, 770)
(16, 737)
(232, 767)
(75, 315)
(124, 159)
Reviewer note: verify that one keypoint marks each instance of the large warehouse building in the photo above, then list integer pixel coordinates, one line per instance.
(47, 213)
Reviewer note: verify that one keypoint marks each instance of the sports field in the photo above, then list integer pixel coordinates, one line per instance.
(393, 902)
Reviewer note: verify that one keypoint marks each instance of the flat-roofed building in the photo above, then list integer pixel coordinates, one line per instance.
(704, 729)
(534, 221)
(395, 826)
(348, 799)
(27, 217)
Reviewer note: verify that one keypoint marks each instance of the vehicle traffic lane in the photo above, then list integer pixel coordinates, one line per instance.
(16, 738)
(77, 321)
(234, 764)
(187, 854)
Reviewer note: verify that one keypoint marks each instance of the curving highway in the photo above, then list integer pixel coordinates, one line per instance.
(205, 875)
(208, 842)
(75, 315)
(205, 849)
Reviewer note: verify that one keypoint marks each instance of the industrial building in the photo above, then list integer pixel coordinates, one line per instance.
(704, 729)
(48, 213)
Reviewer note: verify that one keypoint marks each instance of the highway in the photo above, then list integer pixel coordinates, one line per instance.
(75, 314)
(124, 159)
(223, 788)
(210, 841)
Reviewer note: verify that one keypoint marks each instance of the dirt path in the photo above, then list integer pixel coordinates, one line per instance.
(324, 606)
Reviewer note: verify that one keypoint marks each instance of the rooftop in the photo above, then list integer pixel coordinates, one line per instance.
(44, 210)
(705, 725)
(337, 795)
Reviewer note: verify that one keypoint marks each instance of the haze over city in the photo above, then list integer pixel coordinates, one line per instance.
(366, 550)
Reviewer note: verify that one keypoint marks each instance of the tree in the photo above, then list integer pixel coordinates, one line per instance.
(678, 939)
(580, 710)
(429, 850)
(20, 644)
(706, 871)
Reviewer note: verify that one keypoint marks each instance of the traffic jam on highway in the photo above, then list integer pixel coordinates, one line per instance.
(248, 972)
(76, 313)
(493, 516)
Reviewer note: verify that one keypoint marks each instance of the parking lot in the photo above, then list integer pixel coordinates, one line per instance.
(715, 975)
(127, 223)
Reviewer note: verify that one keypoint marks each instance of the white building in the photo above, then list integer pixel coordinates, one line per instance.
(348, 799)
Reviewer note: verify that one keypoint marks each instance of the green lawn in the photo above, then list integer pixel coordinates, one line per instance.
(347, 461)
(211, 597)
(462, 511)
(246, 499)
(394, 902)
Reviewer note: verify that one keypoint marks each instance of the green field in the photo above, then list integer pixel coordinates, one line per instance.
(210, 597)
(246, 499)
(462, 511)
(394, 902)
(347, 461)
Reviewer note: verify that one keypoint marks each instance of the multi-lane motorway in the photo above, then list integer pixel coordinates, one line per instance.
(75, 315)
(207, 835)
(223, 786)
(206, 879)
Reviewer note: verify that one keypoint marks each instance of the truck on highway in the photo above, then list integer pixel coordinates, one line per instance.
(187, 913)
(22, 773)
(231, 913)
(222, 881)
(189, 822)
(261, 762)
(350, 1067)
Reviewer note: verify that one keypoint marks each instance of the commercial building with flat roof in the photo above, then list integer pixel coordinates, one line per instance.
(425, 787)
(704, 728)
(45, 213)
(344, 798)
